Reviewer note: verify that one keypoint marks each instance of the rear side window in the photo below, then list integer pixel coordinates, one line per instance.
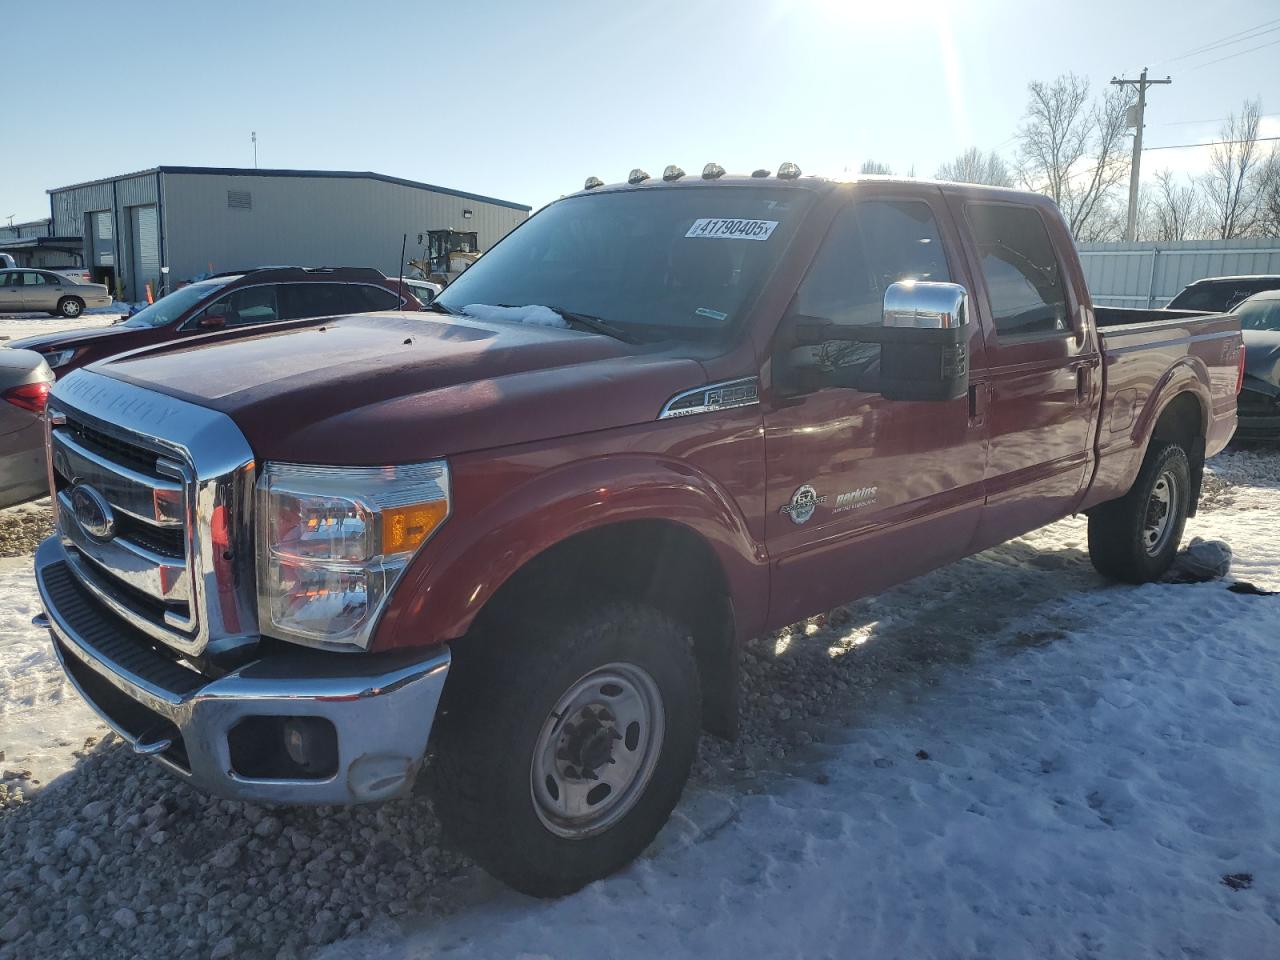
(871, 245)
(1024, 282)
(367, 298)
(299, 301)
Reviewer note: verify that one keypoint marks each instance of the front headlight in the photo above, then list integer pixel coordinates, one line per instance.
(333, 541)
(56, 358)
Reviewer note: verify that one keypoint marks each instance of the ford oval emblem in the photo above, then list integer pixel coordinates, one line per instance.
(92, 512)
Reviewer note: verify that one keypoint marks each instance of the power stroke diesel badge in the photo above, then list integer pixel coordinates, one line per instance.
(803, 502)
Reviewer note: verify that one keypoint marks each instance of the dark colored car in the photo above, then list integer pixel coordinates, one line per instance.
(25, 380)
(1260, 397)
(1219, 294)
(252, 298)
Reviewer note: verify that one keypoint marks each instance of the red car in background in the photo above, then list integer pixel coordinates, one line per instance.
(249, 298)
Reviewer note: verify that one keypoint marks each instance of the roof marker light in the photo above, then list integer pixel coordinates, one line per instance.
(788, 171)
(762, 172)
(672, 172)
(592, 183)
(637, 176)
(712, 171)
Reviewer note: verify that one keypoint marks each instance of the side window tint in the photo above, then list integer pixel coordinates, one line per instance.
(300, 301)
(870, 245)
(1024, 283)
(366, 299)
(252, 305)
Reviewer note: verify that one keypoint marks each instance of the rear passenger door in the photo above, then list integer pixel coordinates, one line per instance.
(300, 301)
(1041, 384)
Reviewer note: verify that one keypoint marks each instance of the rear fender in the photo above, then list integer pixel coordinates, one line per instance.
(452, 579)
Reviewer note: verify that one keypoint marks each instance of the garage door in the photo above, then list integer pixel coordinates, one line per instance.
(146, 250)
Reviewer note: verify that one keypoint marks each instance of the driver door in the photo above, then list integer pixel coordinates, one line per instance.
(864, 492)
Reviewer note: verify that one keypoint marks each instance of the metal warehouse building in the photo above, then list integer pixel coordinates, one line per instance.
(173, 224)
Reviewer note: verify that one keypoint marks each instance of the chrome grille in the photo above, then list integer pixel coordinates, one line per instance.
(172, 554)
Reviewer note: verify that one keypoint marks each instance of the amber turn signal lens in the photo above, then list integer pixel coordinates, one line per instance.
(406, 528)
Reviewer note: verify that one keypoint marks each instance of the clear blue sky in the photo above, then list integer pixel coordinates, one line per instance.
(523, 100)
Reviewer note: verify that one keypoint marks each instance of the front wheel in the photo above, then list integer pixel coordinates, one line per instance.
(70, 307)
(563, 747)
(1136, 537)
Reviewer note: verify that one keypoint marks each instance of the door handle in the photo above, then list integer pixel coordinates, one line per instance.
(978, 395)
(1082, 383)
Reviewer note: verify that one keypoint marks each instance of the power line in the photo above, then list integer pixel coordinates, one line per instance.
(1230, 56)
(1212, 44)
(1211, 143)
(1240, 37)
(1185, 123)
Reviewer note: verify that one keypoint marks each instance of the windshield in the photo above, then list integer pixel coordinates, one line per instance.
(169, 308)
(682, 263)
(1261, 313)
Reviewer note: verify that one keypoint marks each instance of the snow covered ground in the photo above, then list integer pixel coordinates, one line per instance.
(1006, 758)
(15, 326)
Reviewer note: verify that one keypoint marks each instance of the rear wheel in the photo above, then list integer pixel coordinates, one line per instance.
(1136, 537)
(563, 746)
(70, 307)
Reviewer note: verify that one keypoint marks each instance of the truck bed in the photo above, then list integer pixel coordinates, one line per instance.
(1147, 354)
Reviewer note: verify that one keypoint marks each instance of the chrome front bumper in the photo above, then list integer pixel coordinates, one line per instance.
(381, 705)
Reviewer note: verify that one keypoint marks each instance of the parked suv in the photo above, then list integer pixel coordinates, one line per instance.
(27, 291)
(252, 298)
(1222, 293)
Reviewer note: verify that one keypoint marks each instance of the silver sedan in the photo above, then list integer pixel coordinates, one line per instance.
(27, 291)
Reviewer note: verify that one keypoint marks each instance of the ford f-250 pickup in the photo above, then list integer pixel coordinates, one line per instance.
(534, 526)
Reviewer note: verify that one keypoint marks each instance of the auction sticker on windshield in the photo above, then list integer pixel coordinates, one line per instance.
(722, 229)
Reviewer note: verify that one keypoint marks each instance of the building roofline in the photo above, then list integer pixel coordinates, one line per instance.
(318, 174)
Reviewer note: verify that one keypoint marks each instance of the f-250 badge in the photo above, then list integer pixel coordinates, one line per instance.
(803, 502)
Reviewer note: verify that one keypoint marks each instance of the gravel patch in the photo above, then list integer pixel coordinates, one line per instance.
(23, 527)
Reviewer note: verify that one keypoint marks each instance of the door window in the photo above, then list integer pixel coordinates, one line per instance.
(248, 305)
(299, 301)
(1024, 282)
(30, 279)
(870, 245)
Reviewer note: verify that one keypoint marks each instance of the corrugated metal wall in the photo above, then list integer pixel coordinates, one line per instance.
(210, 225)
(71, 205)
(1151, 274)
(20, 231)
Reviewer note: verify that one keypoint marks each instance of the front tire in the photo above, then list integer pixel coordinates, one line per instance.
(564, 745)
(70, 307)
(1136, 537)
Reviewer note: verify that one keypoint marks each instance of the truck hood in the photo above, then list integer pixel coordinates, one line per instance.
(395, 388)
(67, 338)
(1262, 355)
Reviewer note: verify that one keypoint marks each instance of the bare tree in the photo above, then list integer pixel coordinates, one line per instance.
(1231, 184)
(1269, 196)
(1171, 211)
(1073, 148)
(876, 167)
(974, 166)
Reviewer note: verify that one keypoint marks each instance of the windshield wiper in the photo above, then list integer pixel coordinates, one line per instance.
(596, 324)
(435, 306)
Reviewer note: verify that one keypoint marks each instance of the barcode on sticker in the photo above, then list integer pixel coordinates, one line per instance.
(732, 229)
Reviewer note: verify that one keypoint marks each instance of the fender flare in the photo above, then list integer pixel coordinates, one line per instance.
(1187, 375)
(449, 582)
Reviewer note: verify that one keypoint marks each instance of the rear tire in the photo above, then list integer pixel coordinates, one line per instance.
(70, 307)
(563, 746)
(1136, 537)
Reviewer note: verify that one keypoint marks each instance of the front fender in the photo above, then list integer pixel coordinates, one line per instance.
(482, 546)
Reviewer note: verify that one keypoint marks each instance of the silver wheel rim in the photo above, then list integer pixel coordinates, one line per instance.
(1158, 524)
(597, 751)
(71, 309)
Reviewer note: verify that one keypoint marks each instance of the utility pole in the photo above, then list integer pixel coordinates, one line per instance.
(253, 137)
(1131, 229)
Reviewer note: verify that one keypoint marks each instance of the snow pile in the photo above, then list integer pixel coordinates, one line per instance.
(532, 313)
(42, 719)
(15, 327)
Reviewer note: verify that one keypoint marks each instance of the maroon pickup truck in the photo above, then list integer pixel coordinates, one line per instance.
(536, 524)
